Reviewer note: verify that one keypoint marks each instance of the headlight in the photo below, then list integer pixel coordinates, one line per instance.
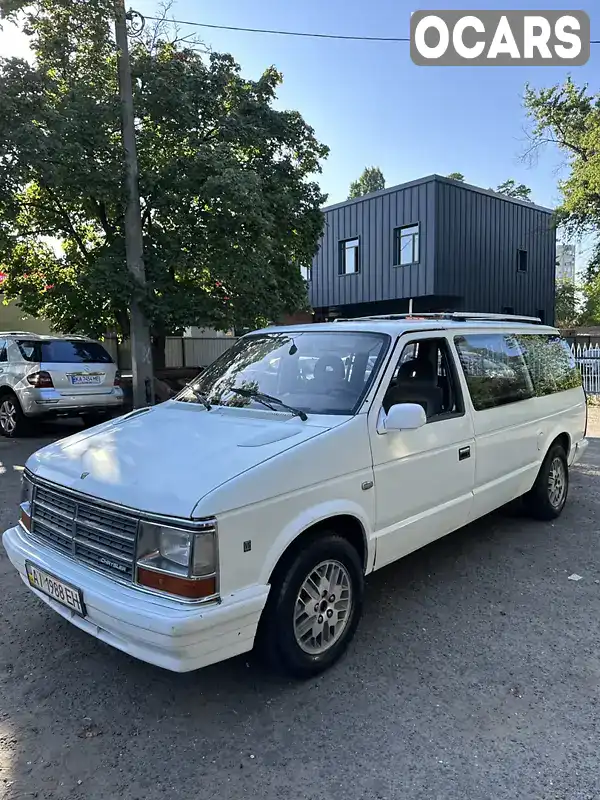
(177, 561)
(25, 505)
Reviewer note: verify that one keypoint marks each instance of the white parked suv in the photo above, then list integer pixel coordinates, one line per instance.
(42, 377)
(249, 509)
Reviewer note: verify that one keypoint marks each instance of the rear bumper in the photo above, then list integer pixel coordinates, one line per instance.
(161, 631)
(50, 403)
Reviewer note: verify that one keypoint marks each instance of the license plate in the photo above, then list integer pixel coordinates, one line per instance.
(58, 590)
(85, 380)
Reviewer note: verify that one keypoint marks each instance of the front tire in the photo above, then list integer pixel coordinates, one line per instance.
(314, 607)
(13, 423)
(547, 498)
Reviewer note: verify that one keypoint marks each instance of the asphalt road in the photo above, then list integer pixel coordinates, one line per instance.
(474, 675)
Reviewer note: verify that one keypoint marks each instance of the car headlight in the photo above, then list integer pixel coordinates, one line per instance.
(178, 561)
(25, 504)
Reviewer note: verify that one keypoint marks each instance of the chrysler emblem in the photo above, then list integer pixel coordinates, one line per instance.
(84, 475)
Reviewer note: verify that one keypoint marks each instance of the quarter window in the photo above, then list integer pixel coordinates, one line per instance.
(551, 364)
(3, 351)
(406, 245)
(495, 369)
(349, 252)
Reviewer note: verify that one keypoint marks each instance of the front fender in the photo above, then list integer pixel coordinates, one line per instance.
(311, 516)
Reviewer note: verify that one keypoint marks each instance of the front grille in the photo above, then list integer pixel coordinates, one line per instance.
(90, 533)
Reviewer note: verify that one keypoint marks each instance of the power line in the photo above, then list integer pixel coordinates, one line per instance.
(308, 34)
(284, 33)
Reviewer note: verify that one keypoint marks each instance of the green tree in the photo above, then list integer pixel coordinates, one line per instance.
(229, 209)
(568, 116)
(456, 176)
(566, 304)
(371, 180)
(513, 189)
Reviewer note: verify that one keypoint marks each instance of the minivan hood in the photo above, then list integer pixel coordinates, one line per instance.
(166, 459)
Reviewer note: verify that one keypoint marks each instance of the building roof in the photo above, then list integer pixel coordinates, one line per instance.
(438, 179)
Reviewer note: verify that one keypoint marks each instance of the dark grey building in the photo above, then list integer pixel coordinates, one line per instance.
(447, 245)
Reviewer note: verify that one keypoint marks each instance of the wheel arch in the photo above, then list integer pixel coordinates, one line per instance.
(350, 524)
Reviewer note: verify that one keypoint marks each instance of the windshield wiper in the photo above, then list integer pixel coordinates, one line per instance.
(201, 398)
(267, 399)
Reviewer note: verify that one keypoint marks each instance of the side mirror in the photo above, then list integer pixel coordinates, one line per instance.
(403, 417)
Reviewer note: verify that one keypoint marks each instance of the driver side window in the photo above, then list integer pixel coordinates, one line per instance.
(426, 375)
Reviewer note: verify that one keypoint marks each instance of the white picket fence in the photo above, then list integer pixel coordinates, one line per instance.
(588, 361)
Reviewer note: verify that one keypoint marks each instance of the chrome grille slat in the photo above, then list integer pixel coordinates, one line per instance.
(102, 538)
(100, 529)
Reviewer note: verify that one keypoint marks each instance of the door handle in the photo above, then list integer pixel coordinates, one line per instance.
(464, 452)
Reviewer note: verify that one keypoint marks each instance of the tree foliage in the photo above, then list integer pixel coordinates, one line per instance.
(229, 210)
(371, 180)
(456, 176)
(568, 116)
(565, 311)
(513, 189)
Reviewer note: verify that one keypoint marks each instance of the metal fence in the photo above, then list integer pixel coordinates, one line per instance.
(180, 351)
(588, 361)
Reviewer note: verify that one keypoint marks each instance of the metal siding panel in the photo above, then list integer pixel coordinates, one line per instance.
(390, 277)
(427, 237)
(375, 254)
(385, 238)
(353, 284)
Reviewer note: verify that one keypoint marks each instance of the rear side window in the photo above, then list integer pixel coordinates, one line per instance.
(551, 364)
(3, 351)
(495, 369)
(64, 351)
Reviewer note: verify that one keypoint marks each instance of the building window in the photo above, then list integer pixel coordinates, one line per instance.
(406, 245)
(306, 273)
(349, 263)
(522, 260)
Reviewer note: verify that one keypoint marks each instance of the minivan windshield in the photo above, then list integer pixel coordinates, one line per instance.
(324, 372)
(63, 351)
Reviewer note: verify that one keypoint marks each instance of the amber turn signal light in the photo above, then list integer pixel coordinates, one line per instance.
(25, 516)
(192, 589)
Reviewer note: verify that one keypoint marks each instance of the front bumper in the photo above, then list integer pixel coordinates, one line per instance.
(173, 635)
(577, 452)
(49, 402)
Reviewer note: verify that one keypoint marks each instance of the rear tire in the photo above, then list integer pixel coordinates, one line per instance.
(13, 423)
(547, 498)
(314, 607)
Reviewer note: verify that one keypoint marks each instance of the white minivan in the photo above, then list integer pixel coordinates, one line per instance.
(249, 509)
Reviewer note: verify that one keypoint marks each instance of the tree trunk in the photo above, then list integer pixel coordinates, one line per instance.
(159, 342)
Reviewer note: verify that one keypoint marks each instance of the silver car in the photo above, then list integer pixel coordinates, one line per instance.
(42, 377)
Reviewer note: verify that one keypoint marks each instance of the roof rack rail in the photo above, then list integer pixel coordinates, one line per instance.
(17, 333)
(457, 316)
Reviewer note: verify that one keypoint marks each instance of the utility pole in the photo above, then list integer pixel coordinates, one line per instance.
(141, 349)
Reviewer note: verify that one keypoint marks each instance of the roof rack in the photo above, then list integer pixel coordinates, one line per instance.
(456, 316)
(17, 333)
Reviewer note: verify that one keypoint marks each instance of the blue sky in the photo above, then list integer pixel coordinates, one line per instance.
(373, 106)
